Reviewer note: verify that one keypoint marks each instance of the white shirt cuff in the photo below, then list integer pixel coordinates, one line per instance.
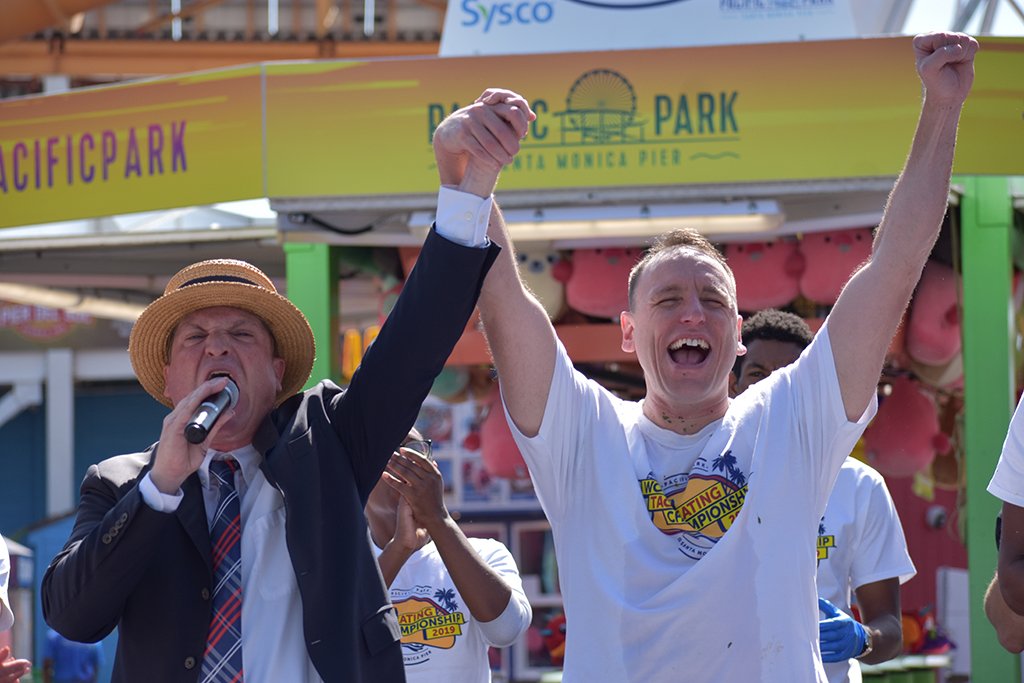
(161, 502)
(462, 217)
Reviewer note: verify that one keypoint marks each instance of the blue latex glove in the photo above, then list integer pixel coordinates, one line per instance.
(842, 637)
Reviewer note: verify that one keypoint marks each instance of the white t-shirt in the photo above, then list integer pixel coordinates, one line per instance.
(860, 541)
(639, 605)
(441, 641)
(1008, 480)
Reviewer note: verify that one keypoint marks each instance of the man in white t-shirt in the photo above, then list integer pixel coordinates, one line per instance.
(455, 596)
(860, 546)
(641, 495)
(1004, 600)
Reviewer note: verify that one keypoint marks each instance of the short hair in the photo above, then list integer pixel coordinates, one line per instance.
(776, 325)
(680, 238)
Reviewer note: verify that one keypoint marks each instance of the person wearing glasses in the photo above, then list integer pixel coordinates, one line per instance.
(455, 595)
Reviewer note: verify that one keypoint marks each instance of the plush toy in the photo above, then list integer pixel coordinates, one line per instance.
(831, 257)
(767, 273)
(597, 281)
(905, 435)
(553, 633)
(498, 449)
(933, 328)
(948, 376)
(543, 272)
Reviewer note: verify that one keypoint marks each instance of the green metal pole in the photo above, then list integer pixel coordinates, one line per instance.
(312, 273)
(986, 216)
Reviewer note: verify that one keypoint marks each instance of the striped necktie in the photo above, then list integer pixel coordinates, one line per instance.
(222, 661)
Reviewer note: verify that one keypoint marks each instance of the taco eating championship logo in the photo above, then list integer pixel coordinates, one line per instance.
(701, 511)
(430, 619)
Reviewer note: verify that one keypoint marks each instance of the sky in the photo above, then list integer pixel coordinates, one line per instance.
(928, 15)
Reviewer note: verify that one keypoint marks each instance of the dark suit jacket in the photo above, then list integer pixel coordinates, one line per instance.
(150, 573)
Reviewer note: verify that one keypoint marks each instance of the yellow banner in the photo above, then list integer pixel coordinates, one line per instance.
(183, 141)
(740, 113)
(730, 114)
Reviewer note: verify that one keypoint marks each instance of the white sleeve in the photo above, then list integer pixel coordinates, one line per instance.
(513, 622)
(462, 217)
(1008, 480)
(881, 547)
(6, 615)
(154, 498)
(566, 431)
(825, 434)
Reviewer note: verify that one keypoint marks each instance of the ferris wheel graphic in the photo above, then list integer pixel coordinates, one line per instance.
(600, 108)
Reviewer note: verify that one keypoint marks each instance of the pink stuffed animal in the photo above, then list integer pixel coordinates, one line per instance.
(767, 273)
(905, 435)
(831, 258)
(597, 283)
(498, 450)
(933, 328)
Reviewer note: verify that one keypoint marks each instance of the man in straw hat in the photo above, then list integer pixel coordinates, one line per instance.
(155, 550)
(684, 523)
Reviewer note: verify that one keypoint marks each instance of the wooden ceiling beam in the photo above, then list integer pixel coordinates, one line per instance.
(196, 7)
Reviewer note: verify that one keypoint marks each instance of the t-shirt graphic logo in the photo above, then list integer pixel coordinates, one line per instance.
(705, 507)
(428, 621)
(826, 542)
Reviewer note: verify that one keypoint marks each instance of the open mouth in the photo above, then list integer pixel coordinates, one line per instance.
(219, 373)
(689, 351)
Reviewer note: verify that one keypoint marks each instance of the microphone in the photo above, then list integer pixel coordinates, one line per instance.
(209, 410)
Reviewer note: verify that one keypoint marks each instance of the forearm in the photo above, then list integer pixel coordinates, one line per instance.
(868, 311)
(484, 591)
(886, 639)
(1011, 581)
(391, 560)
(519, 333)
(913, 215)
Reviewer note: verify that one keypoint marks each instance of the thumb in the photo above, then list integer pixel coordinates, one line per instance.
(827, 608)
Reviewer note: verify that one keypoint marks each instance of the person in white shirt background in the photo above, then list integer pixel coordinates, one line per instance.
(455, 596)
(861, 547)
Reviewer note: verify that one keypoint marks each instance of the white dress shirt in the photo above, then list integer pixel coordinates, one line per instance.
(273, 646)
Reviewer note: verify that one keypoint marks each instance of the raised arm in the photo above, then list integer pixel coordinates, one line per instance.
(865, 317)
(471, 147)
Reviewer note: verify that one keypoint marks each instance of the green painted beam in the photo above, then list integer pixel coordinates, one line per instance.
(312, 273)
(986, 215)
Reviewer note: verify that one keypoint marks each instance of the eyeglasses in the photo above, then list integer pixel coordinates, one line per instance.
(421, 446)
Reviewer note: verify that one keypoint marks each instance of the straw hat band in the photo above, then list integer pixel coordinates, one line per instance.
(218, 278)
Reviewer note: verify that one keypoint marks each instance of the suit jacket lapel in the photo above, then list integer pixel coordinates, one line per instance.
(192, 515)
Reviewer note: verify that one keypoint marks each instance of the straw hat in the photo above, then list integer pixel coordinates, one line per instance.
(220, 282)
